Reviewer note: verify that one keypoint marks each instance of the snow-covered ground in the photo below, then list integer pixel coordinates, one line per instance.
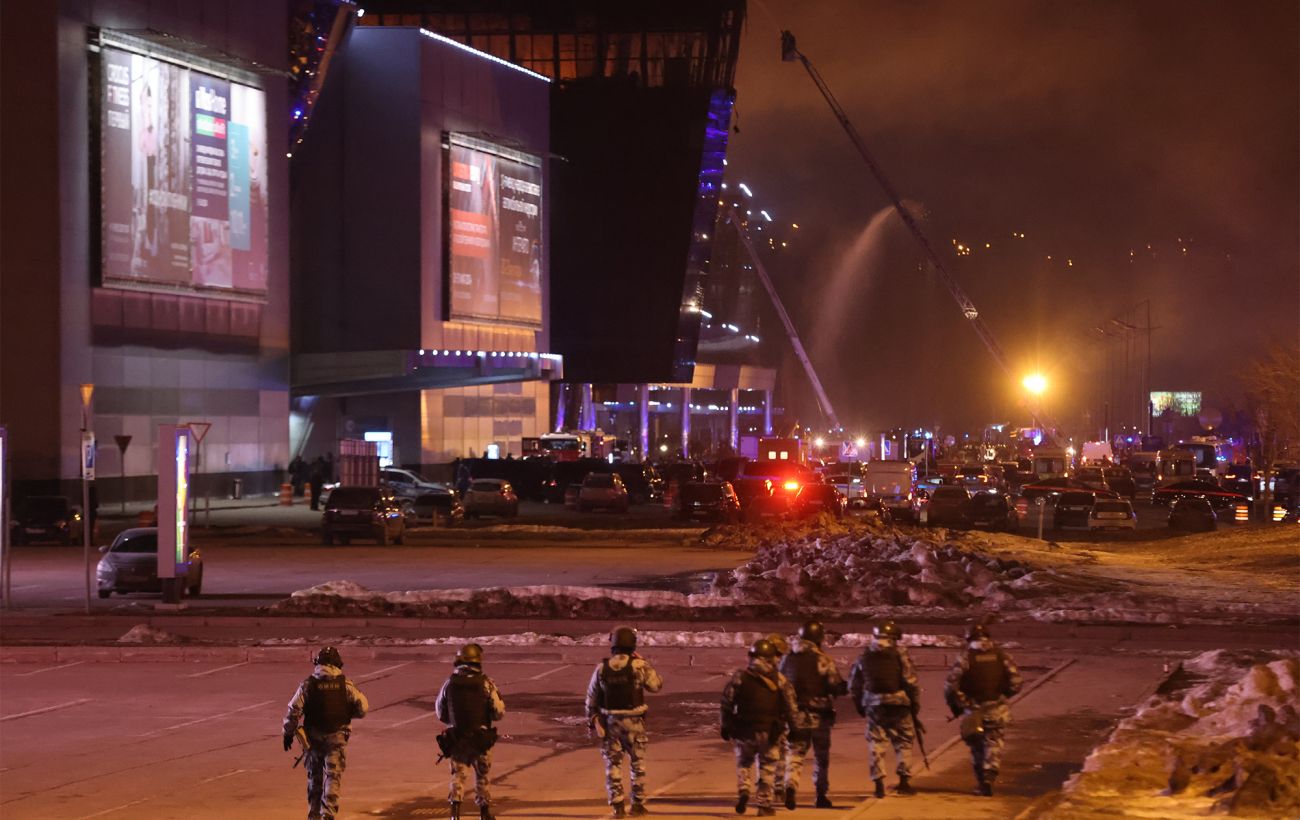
(1226, 742)
(863, 568)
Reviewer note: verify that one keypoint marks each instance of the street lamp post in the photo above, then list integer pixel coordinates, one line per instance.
(86, 458)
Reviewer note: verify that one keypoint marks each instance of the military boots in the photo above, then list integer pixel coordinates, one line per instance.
(455, 810)
(905, 786)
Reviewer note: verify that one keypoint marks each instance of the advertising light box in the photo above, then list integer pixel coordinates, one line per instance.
(494, 233)
(173, 499)
(1180, 402)
(183, 177)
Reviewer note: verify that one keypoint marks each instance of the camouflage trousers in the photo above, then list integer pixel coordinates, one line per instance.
(625, 737)
(761, 753)
(325, 764)
(460, 771)
(797, 745)
(986, 749)
(890, 725)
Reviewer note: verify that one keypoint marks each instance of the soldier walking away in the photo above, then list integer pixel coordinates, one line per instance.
(468, 704)
(884, 689)
(616, 710)
(978, 686)
(758, 705)
(817, 682)
(326, 704)
(778, 777)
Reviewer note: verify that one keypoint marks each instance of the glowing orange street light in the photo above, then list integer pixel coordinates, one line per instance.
(1035, 383)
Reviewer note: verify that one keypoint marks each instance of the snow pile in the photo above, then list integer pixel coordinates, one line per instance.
(652, 638)
(543, 601)
(1228, 743)
(888, 567)
(145, 634)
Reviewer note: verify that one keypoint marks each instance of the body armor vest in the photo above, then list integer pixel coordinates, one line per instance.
(619, 689)
(758, 701)
(808, 681)
(326, 708)
(884, 668)
(985, 679)
(469, 701)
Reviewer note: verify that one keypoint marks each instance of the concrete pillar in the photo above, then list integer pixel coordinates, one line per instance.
(686, 422)
(767, 412)
(733, 431)
(643, 417)
(587, 415)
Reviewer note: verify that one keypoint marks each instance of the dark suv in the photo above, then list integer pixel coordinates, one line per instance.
(46, 518)
(364, 512)
(715, 500)
(1073, 509)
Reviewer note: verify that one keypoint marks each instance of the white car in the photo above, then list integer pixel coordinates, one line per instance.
(1112, 514)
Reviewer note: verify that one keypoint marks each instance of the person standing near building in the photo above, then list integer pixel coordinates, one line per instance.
(884, 689)
(978, 686)
(469, 703)
(317, 481)
(326, 704)
(817, 682)
(616, 710)
(758, 705)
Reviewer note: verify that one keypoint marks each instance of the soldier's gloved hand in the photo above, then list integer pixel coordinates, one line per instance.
(726, 733)
(288, 742)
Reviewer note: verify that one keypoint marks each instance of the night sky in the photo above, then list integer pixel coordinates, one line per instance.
(1096, 129)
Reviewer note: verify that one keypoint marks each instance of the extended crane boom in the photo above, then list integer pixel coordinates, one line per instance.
(790, 53)
(822, 399)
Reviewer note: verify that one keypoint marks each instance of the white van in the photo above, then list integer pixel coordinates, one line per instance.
(1051, 462)
(893, 483)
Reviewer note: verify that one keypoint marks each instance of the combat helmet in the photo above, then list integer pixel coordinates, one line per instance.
(623, 639)
(976, 631)
(778, 640)
(471, 654)
(887, 629)
(763, 648)
(813, 631)
(328, 656)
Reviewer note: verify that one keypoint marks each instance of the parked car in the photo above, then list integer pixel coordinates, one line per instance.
(1239, 478)
(813, 499)
(1051, 487)
(1192, 514)
(46, 518)
(1119, 480)
(1112, 514)
(757, 498)
(642, 481)
(993, 511)
(491, 496)
(972, 477)
(130, 564)
(363, 512)
(872, 506)
(714, 500)
(1094, 477)
(948, 506)
(603, 491)
(571, 494)
(439, 508)
(1218, 497)
(1070, 510)
(406, 483)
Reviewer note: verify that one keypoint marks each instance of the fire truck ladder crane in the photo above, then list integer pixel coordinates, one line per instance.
(790, 53)
(822, 399)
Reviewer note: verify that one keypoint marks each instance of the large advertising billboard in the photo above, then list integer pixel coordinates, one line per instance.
(183, 177)
(494, 234)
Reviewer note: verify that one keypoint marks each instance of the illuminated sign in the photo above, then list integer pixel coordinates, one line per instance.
(173, 499)
(183, 177)
(1179, 402)
(494, 232)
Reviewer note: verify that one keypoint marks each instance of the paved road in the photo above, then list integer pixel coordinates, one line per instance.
(181, 740)
(260, 568)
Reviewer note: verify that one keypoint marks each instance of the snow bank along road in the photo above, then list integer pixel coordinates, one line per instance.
(170, 739)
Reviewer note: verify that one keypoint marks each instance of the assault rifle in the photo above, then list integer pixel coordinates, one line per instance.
(303, 743)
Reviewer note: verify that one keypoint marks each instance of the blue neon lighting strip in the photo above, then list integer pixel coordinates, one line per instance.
(483, 54)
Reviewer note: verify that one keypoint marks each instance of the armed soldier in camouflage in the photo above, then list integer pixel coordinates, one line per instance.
(469, 704)
(817, 682)
(978, 685)
(778, 777)
(758, 705)
(326, 704)
(884, 689)
(616, 710)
